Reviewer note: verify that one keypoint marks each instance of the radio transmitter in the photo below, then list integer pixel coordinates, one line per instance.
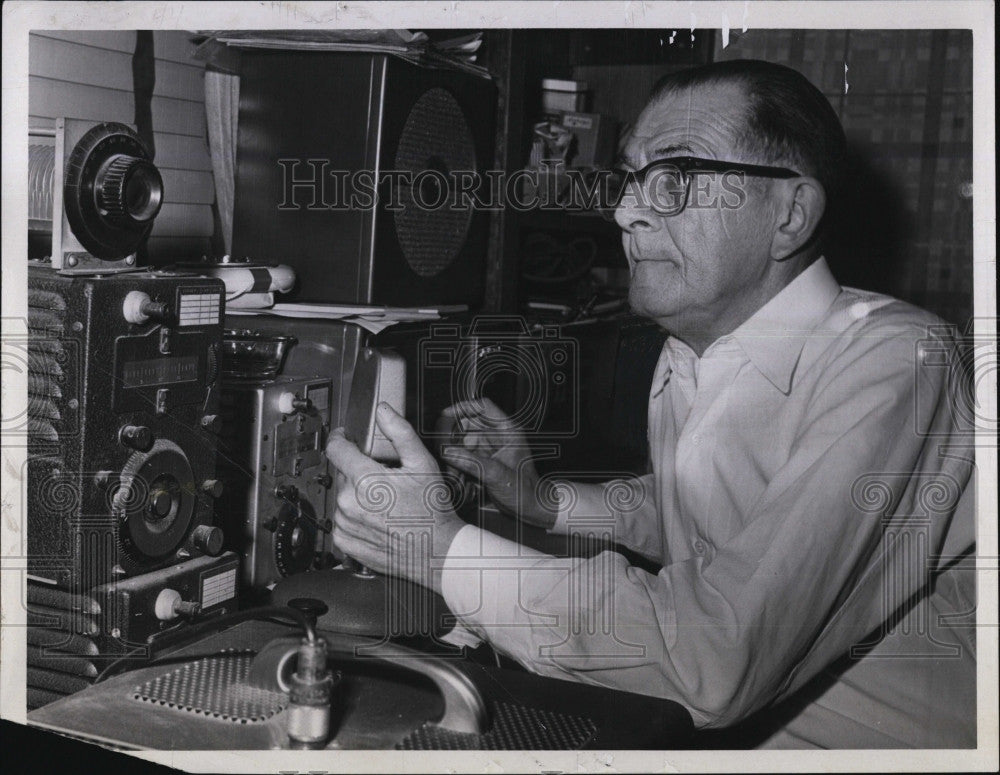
(124, 409)
(123, 388)
(277, 480)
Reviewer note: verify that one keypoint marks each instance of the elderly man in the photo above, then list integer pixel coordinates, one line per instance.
(808, 500)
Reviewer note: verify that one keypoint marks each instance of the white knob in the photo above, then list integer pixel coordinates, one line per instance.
(165, 607)
(132, 307)
(286, 402)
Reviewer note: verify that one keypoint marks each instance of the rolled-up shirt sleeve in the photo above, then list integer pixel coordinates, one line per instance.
(722, 632)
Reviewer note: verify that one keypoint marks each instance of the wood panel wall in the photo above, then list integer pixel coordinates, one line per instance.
(87, 74)
(907, 110)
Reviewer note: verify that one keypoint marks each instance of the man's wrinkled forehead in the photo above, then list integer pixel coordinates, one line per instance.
(697, 120)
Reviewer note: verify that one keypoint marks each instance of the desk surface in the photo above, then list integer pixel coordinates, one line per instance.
(375, 708)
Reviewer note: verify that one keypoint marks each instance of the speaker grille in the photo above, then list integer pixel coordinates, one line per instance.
(515, 728)
(215, 687)
(431, 225)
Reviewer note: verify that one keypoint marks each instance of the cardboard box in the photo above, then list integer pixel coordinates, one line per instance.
(596, 138)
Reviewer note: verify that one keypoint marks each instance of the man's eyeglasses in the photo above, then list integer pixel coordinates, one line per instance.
(665, 184)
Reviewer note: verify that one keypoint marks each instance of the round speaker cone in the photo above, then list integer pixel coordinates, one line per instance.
(436, 148)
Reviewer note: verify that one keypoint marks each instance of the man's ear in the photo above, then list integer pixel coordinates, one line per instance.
(800, 206)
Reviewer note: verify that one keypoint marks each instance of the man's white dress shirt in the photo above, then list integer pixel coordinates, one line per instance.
(803, 502)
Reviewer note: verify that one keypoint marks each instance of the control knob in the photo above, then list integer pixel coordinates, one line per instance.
(212, 487)
(324, 480)
(170, 605)
(138, 437)
(208, 539)
(289, 403)
(286, 492)
(211, 422)
(139, 308)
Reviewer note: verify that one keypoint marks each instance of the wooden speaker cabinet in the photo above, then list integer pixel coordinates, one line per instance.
(315, 129)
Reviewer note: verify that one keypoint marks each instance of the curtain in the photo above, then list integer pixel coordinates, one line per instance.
(222, 102)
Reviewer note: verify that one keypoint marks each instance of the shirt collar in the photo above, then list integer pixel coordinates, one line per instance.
(773, 337)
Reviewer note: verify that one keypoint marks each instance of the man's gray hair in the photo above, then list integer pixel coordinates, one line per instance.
(788, 123)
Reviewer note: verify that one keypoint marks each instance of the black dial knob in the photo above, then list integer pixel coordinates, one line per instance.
(208, 539)
(159, 504)
(138, 437)
(295, 538)
(111, 192)
(129, 190)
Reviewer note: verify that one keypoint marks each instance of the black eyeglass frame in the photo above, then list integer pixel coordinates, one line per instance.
(686, 165)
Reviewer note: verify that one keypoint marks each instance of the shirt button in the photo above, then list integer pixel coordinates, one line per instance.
(699, 546)
(695, 438)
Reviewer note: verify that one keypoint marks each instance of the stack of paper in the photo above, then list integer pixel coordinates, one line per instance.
(458, 53)
(373, 319)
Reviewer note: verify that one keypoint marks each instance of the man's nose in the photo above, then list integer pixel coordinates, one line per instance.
(633, 214)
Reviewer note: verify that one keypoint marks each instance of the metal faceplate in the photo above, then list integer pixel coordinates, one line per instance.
(298, 445)
(275, 509)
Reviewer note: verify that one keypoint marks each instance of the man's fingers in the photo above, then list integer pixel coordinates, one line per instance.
(463, 408)
(477, 440)
(347, 458)
(358, 529)
(480, 466)
(480, 413)
(463, 460)
(350, 544)
(412, 452)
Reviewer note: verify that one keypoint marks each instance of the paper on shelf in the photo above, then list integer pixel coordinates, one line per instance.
(372, 319)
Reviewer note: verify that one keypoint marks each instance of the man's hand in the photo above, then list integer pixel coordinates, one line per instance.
(497, 453)
(392, 519)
